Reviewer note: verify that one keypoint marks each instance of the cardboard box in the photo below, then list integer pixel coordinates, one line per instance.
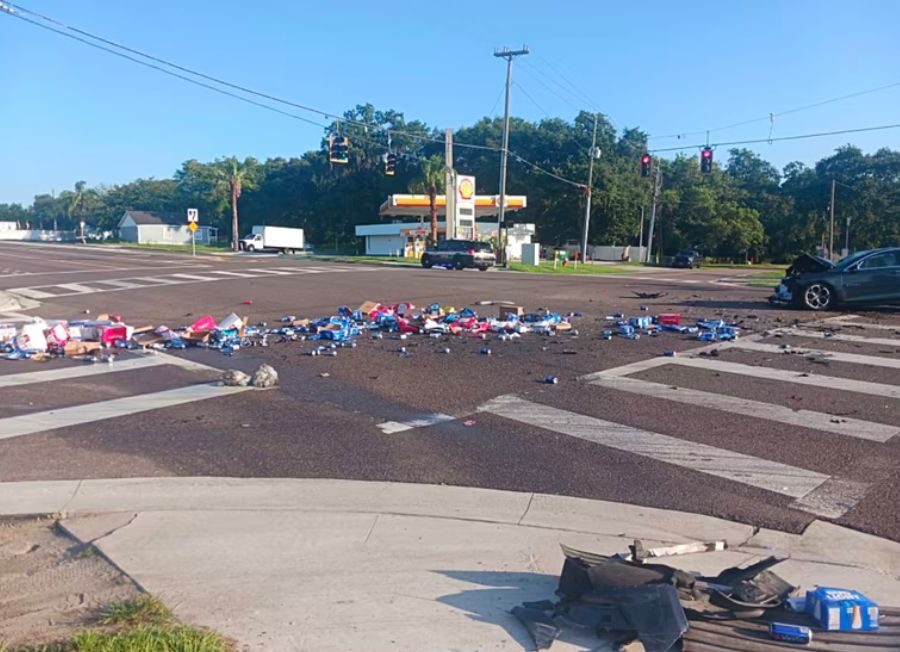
(506, 312)
(197, 337)
(563, 326)
(368, 307)
(842, 610)
(149, 339)
(7, 332)
(73, 348)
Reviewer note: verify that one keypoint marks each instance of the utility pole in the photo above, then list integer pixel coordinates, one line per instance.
(449, 188)
(831, 237)
(657, 182)
(507, 54)
(641, 236)
(847, 236)
(587, 208)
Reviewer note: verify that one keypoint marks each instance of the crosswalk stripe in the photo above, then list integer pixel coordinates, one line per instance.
(268, 271)
(236, 274)
(68, 373)
(157, 280)
(782, 375)
(32, 293)
(192, 277)
(28, 424)
(845, 426)
(833, 498)
(837, 356)
(839, 337)
(123, 285)
(391, 427)
(764, 474)
(77, 287)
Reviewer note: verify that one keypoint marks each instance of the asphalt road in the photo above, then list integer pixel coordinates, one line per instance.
(370, 413)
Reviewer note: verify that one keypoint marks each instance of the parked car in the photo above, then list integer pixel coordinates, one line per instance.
(866, 277)
(688, 258)
(460, 254)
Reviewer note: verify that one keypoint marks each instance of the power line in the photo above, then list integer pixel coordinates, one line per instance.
(773, 140)
(567, 99)
(533, 101)
(169, 72)
(772, 116)
(15, 11)
(571, 84)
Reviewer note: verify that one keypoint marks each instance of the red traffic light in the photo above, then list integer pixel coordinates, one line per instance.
(707, 153)
(645, 158)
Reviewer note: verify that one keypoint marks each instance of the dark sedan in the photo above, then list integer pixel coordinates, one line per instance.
(688, 258)
(866, 277)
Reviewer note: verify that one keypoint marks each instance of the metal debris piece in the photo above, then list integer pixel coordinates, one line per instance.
(235, 378)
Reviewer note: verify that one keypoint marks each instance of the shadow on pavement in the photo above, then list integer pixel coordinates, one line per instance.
(505, 591)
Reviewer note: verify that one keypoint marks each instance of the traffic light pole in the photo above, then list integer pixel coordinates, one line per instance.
(588, 190)
(657, 182)
(504, 154)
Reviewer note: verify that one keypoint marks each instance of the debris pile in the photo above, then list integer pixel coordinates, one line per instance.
(625, 598)
(96, 339)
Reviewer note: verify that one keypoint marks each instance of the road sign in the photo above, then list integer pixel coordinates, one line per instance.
(193, 227)
(193, 215)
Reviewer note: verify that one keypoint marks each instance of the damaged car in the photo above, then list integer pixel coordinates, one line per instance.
(869, 277)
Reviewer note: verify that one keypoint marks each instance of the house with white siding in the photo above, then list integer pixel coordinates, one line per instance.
(146, 227)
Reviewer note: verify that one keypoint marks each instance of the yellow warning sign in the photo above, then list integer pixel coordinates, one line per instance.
(193, 227)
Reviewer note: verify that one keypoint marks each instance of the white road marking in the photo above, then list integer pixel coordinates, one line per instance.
(31, 293)
(125, 285)
(77, 288)
(839, 337)
(81, 371)
(833, 498)
(262, 270)
(236, 274)
(737, 467)
(391, 427)
(866, 326)
(28, 424)
(837, 356)
(781, 375)
(734, 405)
(193, 277)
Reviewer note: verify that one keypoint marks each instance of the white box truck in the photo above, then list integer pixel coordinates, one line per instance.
(273, 238)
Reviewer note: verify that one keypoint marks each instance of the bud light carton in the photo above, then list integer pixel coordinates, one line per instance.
(842, 610)
(790, 633)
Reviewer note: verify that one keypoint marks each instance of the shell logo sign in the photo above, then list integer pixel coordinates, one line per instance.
(466, 188)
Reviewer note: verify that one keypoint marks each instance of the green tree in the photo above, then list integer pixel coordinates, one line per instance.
(430, 182)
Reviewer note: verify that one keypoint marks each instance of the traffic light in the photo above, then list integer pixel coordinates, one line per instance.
(645, 165)
(706, 161)
(390, 164)
(338, 149)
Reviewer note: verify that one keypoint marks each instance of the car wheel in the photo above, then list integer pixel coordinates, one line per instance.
(483, 269)
(818, 296)
(251, 248)
(458, 263)
(426, 261)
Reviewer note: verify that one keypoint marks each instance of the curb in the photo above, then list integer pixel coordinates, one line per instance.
(822, 542)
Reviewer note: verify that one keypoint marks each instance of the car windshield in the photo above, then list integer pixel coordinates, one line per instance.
(479, 246)
(843, 263)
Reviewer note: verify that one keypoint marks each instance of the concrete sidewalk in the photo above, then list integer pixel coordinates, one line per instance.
(334, 565)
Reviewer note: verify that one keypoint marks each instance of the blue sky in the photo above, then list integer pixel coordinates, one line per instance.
(69, 112)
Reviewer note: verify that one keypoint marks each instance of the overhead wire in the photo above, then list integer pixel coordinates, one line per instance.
(531, 99)
(771, 116)
(16, 11)
(536, 74)
(781, 138)
(577, 90)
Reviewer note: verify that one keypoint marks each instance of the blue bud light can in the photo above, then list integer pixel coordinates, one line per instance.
(790, 633)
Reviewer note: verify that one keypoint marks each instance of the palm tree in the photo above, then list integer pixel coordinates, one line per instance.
(431, 181)
(235, 177)
(77, 204)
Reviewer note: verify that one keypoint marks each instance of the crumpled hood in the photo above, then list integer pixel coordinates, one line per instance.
(808, 264)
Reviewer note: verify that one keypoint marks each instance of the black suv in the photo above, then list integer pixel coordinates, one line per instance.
(460, 254)
(687, 258)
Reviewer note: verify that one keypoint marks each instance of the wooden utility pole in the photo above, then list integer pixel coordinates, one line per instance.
(590, 180)
(507, 54)
(657, 182)
(831, 237)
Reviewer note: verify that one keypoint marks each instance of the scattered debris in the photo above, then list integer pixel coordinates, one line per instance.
(650, 295)
(265, 377)
(235, 378)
